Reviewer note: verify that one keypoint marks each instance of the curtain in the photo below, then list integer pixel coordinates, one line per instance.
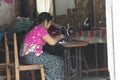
(45, 6)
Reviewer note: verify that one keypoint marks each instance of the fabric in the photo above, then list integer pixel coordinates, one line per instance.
(54, 65)
(33, 41)
(45, 6)
(8, 1)
(22, 24)
(92, 36)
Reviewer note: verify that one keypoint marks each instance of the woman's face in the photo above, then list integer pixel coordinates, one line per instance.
(47, 24)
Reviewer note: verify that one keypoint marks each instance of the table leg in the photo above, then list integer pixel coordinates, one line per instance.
(96, 58)
(73, 64)
(67, 63)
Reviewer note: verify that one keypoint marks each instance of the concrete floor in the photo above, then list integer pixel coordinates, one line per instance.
(97, 78)
(89, 78)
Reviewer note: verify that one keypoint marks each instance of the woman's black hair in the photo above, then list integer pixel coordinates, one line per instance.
(41, 18)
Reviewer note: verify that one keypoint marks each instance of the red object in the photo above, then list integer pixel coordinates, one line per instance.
(92, 33)
(53, 30)
(103, 33)
(8, 1)
(80, 33)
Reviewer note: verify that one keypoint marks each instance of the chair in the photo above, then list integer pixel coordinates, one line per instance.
(2, 63)
(3, 67)
(16, 66)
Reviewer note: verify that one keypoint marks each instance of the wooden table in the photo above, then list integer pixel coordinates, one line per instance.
(73, 65)
(95, 37)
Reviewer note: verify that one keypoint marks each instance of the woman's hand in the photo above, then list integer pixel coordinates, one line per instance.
(62, 36)
(53, 40)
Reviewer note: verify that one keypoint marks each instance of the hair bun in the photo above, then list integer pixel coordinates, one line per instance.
(36, 21)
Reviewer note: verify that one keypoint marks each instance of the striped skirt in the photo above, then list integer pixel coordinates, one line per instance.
(54, 65)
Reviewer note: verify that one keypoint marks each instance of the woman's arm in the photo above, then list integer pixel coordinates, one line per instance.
(53, 40)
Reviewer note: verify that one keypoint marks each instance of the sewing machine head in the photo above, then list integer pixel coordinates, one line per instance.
(68, 32)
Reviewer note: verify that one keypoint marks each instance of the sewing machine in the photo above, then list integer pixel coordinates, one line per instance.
(68, 32)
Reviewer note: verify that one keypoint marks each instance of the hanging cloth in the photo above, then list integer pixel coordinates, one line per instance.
(8, 1)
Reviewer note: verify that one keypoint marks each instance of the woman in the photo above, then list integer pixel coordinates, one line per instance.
(31, 50)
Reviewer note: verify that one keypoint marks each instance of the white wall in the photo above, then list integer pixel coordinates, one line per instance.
(113, 39)
(62, 6)
(110, 47)
(7, 12)
(116, 33)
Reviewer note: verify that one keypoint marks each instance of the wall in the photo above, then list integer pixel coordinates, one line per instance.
(112, 20)
(76, 15)
(7, 12)
(28, 8)
(61, 10)
(99, 13)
